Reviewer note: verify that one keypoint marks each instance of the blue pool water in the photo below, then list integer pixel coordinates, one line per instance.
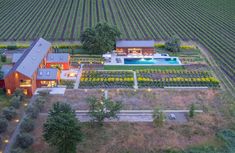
(154, 61)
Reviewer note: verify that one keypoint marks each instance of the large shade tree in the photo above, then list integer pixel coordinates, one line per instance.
(62, 129)
(173, 44)
(100, 39)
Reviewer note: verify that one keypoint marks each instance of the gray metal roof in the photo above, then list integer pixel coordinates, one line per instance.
(57, 57)
(135, 43)
(31, 58)
(5, 69)
(47, 74)
(16, 57)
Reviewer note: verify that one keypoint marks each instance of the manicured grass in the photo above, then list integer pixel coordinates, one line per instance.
(108, 67)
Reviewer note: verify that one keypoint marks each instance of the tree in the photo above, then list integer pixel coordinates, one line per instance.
(9, 113)
(3, 125)
(15, 102)
(32, 111)
(62, 129)
(27, 125)
(192, 111)
(3, 58)
(100, 39)
(24, 140)
(102, 109)
(158, 117)
(173, 44)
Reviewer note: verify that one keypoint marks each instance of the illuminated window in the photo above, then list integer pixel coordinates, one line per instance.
(25, 83)
(8, 91)
(16, 75)
(25, 91)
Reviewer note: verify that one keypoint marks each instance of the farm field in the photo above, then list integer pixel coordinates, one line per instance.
(211, 23)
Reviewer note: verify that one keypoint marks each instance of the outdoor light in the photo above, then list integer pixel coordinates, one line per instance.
(102, 90)
(149, 89)
(25, 104)
(135, 90)
(17, 120)
(6, 141)
(85, 90)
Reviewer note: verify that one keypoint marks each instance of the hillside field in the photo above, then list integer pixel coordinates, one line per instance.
(209, 22)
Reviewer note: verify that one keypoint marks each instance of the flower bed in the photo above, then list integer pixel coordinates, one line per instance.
(106, 79)
(175, 78)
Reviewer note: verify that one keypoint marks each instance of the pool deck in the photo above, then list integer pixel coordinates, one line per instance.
(113, 59)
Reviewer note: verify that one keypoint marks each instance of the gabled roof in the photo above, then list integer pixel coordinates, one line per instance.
(47, 74)
(31, 58)
(57, 57)
(135, 43)
(16, 57)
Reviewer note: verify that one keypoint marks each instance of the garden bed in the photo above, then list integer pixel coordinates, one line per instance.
(106, 79)
(175, 78)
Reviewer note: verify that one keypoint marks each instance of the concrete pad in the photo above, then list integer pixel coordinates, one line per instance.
(53, 91)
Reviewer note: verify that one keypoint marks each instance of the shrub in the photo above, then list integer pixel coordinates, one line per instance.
(159, 45)
(3, 125)
(39, 102)
(192, 111)
(3, 58)
(19, 93)
(9, 113)
(32, 111)
(44, 93)
(11, 47)
(27, 125)
(24, 140)
(68, 83)
(15, 102)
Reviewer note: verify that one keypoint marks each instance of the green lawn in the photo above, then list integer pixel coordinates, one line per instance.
(108, 67)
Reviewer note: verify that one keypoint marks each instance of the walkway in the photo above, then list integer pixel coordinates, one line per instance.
(17, 130)
(135, 81)
(138, 115)
(78, 77)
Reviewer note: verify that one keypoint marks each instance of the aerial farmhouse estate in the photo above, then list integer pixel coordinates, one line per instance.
(36, 67)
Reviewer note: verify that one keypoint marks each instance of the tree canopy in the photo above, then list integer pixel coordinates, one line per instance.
(173, 44)
(62, 129)
(100, 39)
(102, 109)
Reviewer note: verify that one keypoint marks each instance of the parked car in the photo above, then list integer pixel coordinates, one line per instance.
(172, 116)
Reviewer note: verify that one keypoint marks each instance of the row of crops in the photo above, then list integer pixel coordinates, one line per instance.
(147, 78)
(211, 23)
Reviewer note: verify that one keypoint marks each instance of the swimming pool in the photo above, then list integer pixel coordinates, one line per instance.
(153, 61)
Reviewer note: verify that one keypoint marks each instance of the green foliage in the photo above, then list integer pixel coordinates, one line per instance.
(32, 111)
(203, 149)
(100, 39)
(62, 129)
(44, 93)
(11, 47)
(158, 118)
(15, 102)
(39, 102)
(228, 136)
(24, 140)
(68, 83)
(192, 111)
(27, 125)
(173, 44)
(3, 125)
(9, 113)
(3, 58)
(101, 109)
(19, 93)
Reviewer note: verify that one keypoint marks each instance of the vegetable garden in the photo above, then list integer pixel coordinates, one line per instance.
(175, 78)
(107, 79)
(211, 23)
